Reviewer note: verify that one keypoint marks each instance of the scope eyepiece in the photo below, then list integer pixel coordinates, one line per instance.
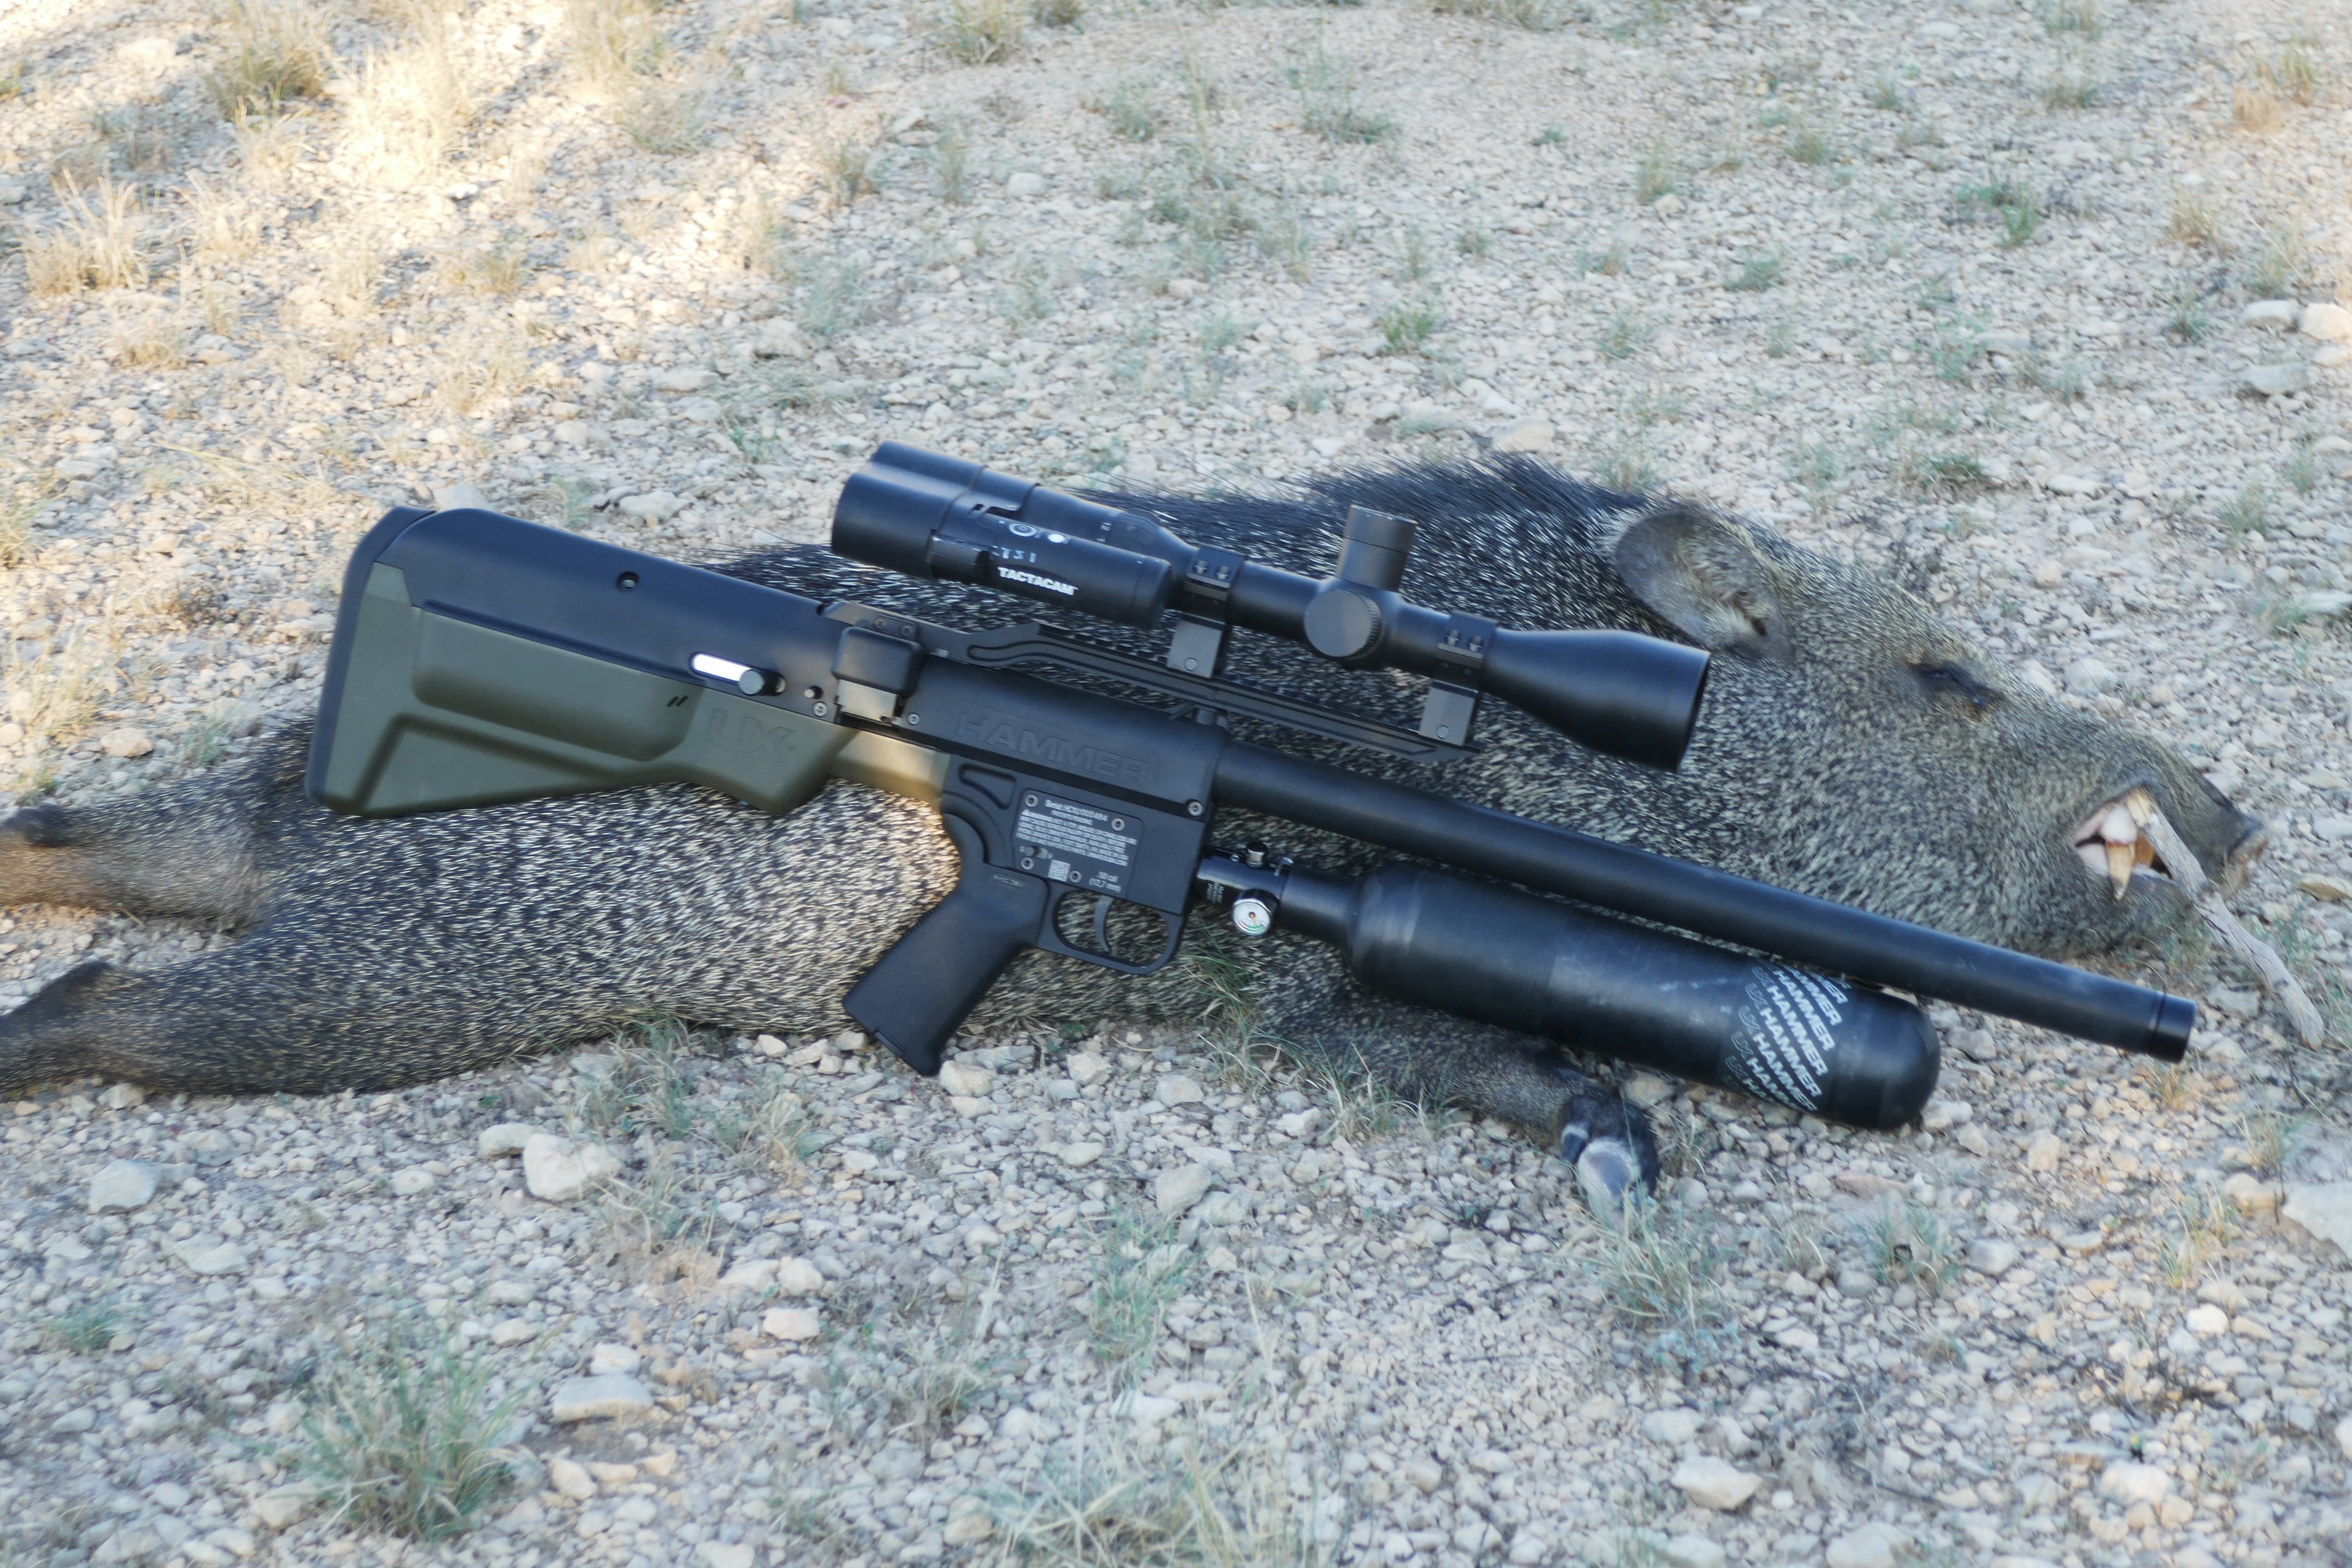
(929, 515)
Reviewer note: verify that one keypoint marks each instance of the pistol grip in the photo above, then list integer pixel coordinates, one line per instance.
(914, 999)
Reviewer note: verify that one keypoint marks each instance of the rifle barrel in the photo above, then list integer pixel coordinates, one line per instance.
(1789, 925)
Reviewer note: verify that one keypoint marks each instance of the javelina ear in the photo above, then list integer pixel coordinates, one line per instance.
(1698, 575)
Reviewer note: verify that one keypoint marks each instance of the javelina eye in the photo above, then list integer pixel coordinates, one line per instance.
(1952, 680)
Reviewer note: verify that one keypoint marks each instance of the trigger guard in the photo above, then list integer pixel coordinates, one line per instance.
(1050, 939)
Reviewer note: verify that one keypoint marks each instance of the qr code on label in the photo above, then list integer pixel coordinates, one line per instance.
(1060, 871)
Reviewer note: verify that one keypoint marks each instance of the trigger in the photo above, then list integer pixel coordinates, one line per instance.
(1102, 923)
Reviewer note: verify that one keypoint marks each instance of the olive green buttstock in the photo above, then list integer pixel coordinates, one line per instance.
(438, 713)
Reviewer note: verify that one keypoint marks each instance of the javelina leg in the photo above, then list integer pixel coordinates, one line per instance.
(184, 851)
(1433, 1057)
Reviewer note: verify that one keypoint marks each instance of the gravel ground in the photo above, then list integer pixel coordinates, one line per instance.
(2038, 306)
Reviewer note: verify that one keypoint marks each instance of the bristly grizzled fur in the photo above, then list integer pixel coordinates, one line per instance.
(1852, 745)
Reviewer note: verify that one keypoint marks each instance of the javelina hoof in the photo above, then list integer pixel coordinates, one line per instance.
(1609, 1142)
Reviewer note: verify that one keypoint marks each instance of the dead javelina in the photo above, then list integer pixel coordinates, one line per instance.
(1852, 745)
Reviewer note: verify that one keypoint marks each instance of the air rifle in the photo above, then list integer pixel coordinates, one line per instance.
(480, 658)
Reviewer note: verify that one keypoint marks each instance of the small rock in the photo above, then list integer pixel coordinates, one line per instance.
(799, 1277)
(2329, 322)
(2322, 1208)
(2206, 1321)
(654, 506)
(1529, 1550)
(1146, 1409)
(2274, 380)
(1529, 435)
(2088, 676)
(2279, 315)
(209, 1255)
(74, 1421)
(506, 1138)
(122, 1185)
(2325, 888)
(723, 1554)
(1086, 1066)
(2344, 1436)
(508, 1331)
(1646, 1089)
(614, 1358)
(122, 1096)
(965, 1079)
(1941, 1114)
(283, 1505)
(408, 1182)
(1024, 184)
(1672, 1427)
(794, 1324)
(210, 1146)
(2236, 1000)
(1715, 1483)
(557, 1170)
(1692, 1552)
(688, 378)
(1870, 1546)
(1080, 1154)
(1992, 1255)
(613, 1395)
(779, 338)
(2042, 1153)
(126, 742)
(1177, 1190)
(572, 1478)
(2128, 1483)
(511, 1292)
(2250, 1193)
(1175, 1089)
(965, 1529)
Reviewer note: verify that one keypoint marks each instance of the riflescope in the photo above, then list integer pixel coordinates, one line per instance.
(929, 515)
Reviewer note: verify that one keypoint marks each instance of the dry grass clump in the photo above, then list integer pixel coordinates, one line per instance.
(609, 44)
(149, 338)
(277, 52)
(499, 268)
(405, 1433)
(54, 690)
(979, 31)
(1535, 16)
(269, 146)
(2194, 219)
(220, 225)
(411, 105)
(667, 117)
(2256, 109)
(102, 244)
(1242, 1497)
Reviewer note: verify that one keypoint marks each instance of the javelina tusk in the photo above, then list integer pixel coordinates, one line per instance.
(2119, 867)
(2309, 1026)
(2142, 806)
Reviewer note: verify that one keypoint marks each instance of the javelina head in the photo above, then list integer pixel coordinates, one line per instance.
(1880, 758)
(1852, 743)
